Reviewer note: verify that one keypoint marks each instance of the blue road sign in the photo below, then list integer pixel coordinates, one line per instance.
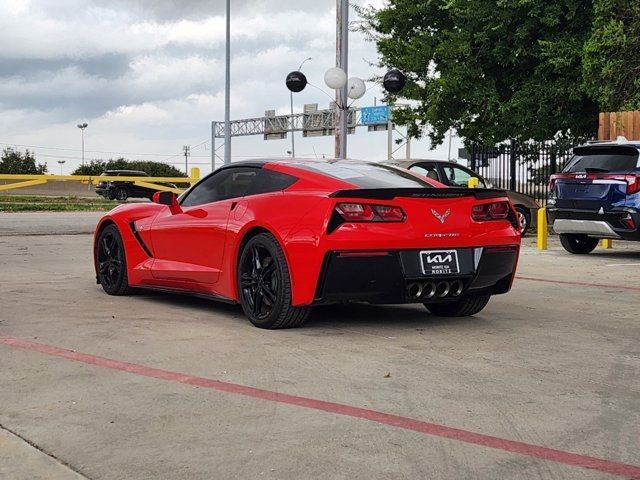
(375, 115)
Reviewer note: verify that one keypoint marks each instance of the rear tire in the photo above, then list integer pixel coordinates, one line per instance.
(264, 285)
(464, 307)
(578, 244)
(111, 262)
(524, 219)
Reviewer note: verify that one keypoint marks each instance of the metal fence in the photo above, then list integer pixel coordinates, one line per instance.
(523, 167)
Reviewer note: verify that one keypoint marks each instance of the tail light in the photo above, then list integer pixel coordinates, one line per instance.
(362, 212)
(491, 211)
(552, 182)
(633, 183)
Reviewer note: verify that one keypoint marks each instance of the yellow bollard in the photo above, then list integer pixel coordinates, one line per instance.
(195, 174)
(473, 182)
(543, 229)
(606, 243)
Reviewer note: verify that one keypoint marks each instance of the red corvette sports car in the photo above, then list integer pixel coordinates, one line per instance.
(279, 237)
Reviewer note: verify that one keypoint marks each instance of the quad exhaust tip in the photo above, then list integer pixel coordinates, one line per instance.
(428, 290)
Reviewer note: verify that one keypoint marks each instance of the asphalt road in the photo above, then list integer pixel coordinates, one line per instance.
(554, 365)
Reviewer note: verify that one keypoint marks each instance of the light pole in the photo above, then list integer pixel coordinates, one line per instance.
(82, 126)
(342, 62)
(227, 91)
(61, 163)
(293, 139)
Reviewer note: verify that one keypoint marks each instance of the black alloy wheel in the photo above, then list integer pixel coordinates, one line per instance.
(111, 262)
(122, 194)
(264, 285)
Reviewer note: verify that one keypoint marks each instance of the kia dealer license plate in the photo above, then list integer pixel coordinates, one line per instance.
(439, 262)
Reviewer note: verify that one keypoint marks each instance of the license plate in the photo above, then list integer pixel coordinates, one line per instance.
(439, 262)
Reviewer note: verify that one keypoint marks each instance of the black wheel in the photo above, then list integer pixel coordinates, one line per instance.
(122, 194)
(578, 244)
(524, 219)
(264, 285)
(464, 307)
(111, 262)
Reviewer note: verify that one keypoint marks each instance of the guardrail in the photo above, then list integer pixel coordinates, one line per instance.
(23, 181)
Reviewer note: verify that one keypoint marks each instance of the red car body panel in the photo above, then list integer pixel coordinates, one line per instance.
(196, 249)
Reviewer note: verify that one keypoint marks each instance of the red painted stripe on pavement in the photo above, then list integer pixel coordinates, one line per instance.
(433, 429)
(581, 284)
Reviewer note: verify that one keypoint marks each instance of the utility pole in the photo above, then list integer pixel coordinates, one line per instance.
(82, 126)
(342, 61)
(213, 145)
(187, 152)
(227, 91)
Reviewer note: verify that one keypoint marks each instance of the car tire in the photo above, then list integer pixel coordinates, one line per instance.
(524, 219)
(111, 262)
(465, 307)
(578, 244)
(264, 285)
(121, 194)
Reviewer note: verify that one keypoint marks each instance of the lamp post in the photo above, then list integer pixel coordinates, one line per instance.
(293, 139)
(227, 91)
(61, 163)
(82, 126)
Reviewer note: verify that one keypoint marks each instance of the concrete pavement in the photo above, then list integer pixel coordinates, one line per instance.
(554, 365)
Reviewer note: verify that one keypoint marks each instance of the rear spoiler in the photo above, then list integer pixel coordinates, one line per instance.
(391, 193)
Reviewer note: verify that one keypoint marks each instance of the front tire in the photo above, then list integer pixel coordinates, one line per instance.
(111, 262)
(578, 244)
(264, 285)
(122, 194)
(465, 307)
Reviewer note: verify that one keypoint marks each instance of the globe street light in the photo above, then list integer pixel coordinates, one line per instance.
(302, 81)
(82, 126)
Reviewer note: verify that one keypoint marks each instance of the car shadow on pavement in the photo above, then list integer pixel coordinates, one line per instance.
(376, 316)
(339, 315)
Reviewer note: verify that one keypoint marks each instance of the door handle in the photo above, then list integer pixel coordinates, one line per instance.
(233, 205)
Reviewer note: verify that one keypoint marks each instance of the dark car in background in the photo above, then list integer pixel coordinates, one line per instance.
(455, 175)
(597, 195)
(121, 191)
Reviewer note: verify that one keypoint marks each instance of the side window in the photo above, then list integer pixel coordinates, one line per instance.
(268, 181)
(428, 171)
(228, 183)
(458, 176)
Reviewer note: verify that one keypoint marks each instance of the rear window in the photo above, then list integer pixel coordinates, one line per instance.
(611, 159)
(368, 175)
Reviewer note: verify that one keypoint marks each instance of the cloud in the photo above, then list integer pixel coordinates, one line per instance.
(147, 75)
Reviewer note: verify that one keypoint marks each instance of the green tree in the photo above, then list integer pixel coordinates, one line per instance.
(611, 62)
(154, 169)
(491, 69)
(15, 162)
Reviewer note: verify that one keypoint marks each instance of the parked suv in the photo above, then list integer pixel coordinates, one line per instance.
(597, 195)
(454, 175)
(123, 190)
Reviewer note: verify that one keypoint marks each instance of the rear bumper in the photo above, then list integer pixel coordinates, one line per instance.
(602, 225)
(392, 278)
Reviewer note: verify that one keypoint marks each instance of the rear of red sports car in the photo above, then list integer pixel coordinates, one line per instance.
(328, 232)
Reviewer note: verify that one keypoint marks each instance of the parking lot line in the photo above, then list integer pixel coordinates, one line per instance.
(427, 428)
(580, 284)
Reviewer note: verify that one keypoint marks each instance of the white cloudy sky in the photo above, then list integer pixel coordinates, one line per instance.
(148, 76)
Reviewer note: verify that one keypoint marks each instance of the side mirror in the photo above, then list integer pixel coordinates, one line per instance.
(165, 198)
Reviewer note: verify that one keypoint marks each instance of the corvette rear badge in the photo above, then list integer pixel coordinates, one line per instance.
(442, 217)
